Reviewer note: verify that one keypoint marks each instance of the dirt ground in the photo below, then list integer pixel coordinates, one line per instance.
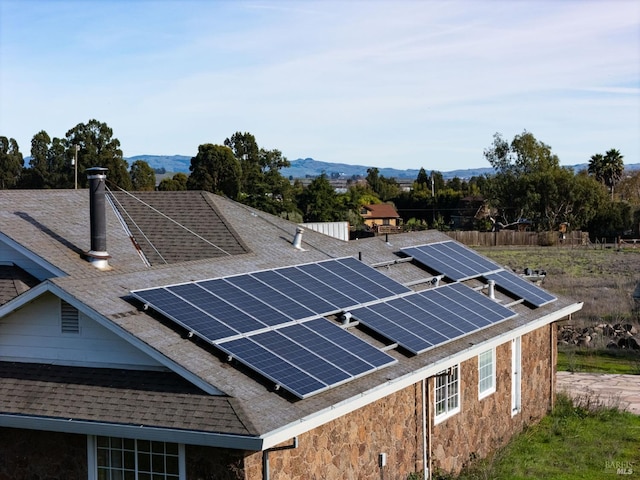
(605, 279)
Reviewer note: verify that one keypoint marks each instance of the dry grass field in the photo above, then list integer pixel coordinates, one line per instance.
(603, 279)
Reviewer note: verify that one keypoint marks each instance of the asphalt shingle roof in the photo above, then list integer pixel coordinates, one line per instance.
(54, 225)
(172, 227)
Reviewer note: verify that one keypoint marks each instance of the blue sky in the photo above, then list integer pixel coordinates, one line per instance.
(404, 84)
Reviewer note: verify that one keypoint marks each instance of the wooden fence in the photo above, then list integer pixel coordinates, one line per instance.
(515, 238)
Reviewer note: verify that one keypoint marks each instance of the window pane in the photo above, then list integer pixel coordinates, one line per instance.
(144, 446)
(130, 460)
(116, 459)
(103, 441)
(144, 462)
(157, 447)
(172, 464)
(172, 448)
(158, 463)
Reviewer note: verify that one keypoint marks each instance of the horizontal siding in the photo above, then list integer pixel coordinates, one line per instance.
(34, 334)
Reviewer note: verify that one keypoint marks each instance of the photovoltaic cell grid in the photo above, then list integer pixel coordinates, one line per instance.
(307, 358)
(252, 317)
(432, 317)
(460, 263)
(521, 287)
(452, 259)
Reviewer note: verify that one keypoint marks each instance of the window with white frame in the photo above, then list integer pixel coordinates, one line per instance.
(129, 459)
(486, 373)
(447, 393)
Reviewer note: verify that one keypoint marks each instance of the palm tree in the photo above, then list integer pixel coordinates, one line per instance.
(607, 168)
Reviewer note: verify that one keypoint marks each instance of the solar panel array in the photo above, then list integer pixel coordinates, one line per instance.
(432, 317)
(271, 320)
(452, 259)
(459, 263)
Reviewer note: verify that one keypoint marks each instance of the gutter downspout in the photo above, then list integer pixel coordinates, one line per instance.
(266, 475)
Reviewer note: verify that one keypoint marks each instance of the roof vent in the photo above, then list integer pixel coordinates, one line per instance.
(98, 255)
(491, 285)
(297, 239)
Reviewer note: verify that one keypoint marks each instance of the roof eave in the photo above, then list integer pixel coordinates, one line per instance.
(142, 432)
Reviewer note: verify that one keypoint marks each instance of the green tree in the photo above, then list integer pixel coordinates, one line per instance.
(143, 177)
(50, 165)
(215, 169)
(98, 148)
(385, 188)
(607, 168)
(245, 149)
(530, 183)
(319, 202)
(262, 185)
(176, 183)
(11, 163)
(423, 179)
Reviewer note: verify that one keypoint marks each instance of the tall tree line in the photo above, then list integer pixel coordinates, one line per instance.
(528, 183)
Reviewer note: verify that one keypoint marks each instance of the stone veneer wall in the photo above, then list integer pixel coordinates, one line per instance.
(483, 425)
(348, 447)
(35, 455)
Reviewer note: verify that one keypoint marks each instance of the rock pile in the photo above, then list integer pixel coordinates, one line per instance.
(620, 335)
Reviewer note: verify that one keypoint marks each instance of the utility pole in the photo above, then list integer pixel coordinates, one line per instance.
(75, 163)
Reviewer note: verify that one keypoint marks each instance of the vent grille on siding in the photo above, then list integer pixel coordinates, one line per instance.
(69, 317)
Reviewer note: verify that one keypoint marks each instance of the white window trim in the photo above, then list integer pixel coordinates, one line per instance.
(92, 462)
(516, 376)
(492, 388)
(448, 413)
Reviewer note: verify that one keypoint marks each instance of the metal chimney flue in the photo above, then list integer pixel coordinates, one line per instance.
(98, 255)
(297, 239)
(491, 285)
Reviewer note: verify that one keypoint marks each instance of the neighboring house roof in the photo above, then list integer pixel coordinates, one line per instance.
(381, 210)
(51, 228)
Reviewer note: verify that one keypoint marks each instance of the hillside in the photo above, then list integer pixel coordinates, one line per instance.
(308, 167)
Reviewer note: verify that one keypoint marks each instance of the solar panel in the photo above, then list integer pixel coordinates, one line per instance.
(287, 305)
(307, 358)
(287, 287)
(339, 278)
(309, 282)
(245, 302)
(452, 259)
(269, 320)
(177, 310)
(216, 309)
(374, 281)
(432, 317)
(521, 287)
(273, 367)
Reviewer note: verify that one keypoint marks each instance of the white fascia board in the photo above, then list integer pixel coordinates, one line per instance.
(48, 286)
(24, 298)
(140, 432)
(41, 262)
(322, 417)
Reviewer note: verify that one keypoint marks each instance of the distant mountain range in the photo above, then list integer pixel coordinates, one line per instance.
(308, 167)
